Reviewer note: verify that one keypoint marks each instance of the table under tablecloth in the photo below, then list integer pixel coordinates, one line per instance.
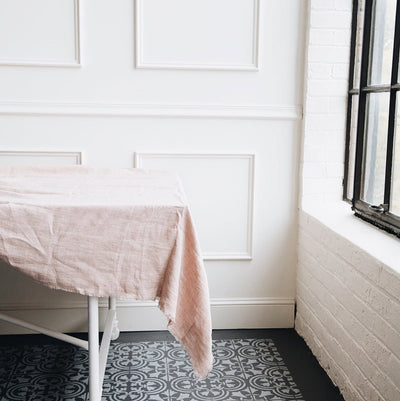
(125, 233)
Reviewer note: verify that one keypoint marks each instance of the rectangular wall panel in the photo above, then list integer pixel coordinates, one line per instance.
(39, 32)
(42, 158)
(197, 34)
(220, 192)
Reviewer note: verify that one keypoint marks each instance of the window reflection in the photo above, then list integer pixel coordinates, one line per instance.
(358, 49)
(374, 167)
(382, 35)
(395, 194)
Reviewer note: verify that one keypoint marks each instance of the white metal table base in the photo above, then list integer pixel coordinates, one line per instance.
(97, 355)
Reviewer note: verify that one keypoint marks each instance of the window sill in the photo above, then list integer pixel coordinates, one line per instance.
(339, 217)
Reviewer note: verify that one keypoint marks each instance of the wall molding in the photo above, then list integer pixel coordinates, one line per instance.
(129, 303)
(263, 112)
(248, 255)
(76, 63)
(142, 64)
(43, 153)
(227, 313)
(252, 301)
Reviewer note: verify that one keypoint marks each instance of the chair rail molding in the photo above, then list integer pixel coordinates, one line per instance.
(263, 112)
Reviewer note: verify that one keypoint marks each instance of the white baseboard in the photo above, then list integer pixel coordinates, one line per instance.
(227, 313)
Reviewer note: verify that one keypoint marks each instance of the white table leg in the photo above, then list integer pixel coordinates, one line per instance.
(112, 305)
(94, 376)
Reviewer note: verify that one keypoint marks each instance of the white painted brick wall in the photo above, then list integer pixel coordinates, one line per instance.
(326, 85)
(348, 303)
(348, 314)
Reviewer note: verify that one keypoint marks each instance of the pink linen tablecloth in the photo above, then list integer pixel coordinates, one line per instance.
(126, 233)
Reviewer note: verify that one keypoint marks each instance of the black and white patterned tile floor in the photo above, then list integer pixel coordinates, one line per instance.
(244, 370)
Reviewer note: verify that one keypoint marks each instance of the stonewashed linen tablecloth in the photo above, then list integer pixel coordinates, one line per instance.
(126, 233)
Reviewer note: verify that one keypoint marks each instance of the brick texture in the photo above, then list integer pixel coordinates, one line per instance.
(326, 85)
(348, 314)
(348, 303)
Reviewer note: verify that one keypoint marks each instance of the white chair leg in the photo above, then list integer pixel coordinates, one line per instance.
(94, 376)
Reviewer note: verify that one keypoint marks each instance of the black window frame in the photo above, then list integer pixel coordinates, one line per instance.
(379, 215)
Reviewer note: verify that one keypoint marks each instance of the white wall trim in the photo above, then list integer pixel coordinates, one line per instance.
(76, 62)
(129, 303)
(264, 112)
(40, 153)
(252, 301)
(248, 255)
(141, 63)
(229, 255)
(227, 313)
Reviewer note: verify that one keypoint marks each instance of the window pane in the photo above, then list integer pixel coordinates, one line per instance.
(398, 73)
(382, 35)
(352, 146)
(357, 55)
(395, 193)
(375, 142)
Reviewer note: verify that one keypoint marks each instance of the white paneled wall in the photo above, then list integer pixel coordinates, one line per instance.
(209, 89)
(39, 33)
(204, 45)
(220, 190)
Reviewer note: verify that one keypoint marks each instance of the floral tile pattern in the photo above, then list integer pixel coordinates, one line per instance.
(244, 370)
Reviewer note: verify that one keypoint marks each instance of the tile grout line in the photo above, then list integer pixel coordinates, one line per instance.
(167, 370)
(241, 366)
